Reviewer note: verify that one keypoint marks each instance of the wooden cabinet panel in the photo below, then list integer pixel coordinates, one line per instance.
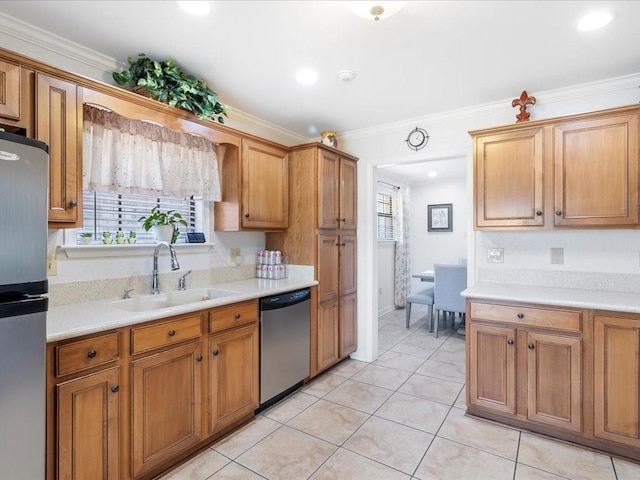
(265, 186)
(596, 178)
(57, 124)
(509, 179)
(555, 380)
(348, 265)
(328, 267)
(348, 194)
(233, 376)
(328, 190)
(617, 379)
(164, 334)
(88, 427)
(166, 405)
(527, 316)
(84, 354)
(348, 331)
(492, 367)
(328, 334)
(231, 316)
(10, 90)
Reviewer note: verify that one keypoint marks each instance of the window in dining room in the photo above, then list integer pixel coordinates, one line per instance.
(385, 215)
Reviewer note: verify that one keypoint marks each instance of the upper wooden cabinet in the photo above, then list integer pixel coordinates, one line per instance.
(596, 176)
(336, 191)
(10, 90)
(255, 188)
(509, 175)
(57, 124)
(576, 171)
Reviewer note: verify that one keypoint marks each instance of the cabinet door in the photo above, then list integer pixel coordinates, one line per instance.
(57, 126)
(265, 186)
(166, 410)
(492, 367)
(348, 330)
(596, 178)
(348, 264)
(10, 90)
(328, 331)
(328, 190)
(328, 267)
(348, 194)
(617, 379)
(233, 376)
(509, 179)
(554, 371)
(88, 427)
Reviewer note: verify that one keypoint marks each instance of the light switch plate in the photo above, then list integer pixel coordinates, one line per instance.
(52, 266)
(495, 255)
(234, 253)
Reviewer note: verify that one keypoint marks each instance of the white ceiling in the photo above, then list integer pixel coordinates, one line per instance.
(428, 58)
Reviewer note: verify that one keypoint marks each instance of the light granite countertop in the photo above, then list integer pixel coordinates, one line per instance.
(74, 320)
(562, 297)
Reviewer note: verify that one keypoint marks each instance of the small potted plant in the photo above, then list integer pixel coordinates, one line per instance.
(85, 238)
(164, 225)
(166, 82)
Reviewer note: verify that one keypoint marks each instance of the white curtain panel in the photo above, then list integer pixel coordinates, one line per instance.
(401, 229)
(133, 156)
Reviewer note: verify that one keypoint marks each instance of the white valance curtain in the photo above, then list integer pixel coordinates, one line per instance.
(133, 156)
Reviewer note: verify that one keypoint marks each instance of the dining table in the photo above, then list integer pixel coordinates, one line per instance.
(426, 276)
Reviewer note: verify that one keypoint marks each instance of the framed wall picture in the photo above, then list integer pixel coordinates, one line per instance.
(440, 217)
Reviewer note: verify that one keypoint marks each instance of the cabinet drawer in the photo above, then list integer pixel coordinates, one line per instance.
(165, 333)
(536, 317)
(233, 315)
(84, 354)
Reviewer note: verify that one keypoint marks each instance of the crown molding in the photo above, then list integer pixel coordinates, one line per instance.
(550, 96)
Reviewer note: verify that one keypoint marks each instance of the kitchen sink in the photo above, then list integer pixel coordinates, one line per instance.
(170, 299)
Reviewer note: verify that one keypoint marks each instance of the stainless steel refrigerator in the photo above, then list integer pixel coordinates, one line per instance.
(24, 165)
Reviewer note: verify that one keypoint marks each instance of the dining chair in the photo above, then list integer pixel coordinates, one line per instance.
(449, 282)
(424, 297)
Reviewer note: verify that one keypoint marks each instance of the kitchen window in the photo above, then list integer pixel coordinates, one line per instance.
(113, 212)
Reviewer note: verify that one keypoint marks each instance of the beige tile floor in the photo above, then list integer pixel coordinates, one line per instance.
(400, 417)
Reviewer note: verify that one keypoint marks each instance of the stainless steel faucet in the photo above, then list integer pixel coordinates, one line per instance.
(155, 286)
(182, 281)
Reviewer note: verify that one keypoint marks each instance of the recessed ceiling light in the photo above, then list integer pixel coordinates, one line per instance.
(594, 21)
(306, 76)
(432, 174)
(196, 8)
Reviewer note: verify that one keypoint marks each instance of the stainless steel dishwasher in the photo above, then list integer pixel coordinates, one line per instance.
(285, 338)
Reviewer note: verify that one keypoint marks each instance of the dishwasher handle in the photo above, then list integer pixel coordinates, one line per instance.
(285, 299)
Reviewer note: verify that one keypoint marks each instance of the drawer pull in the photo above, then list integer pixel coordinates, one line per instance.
(236, 316)
(521, 315)
(510, 341)
(91, 353)
(115, 388)
(172, 332)
(531, 346)
(215, 353)
(199, 358)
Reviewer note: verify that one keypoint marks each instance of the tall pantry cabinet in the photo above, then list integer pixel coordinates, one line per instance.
(322, 233)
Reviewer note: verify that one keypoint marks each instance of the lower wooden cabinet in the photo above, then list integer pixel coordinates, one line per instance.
(166, 405)
(617, 379)
(233, 376)
(328, 334)
(88, 427)
(522, 363)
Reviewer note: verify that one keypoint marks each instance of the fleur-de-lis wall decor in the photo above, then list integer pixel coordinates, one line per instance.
(522, 102)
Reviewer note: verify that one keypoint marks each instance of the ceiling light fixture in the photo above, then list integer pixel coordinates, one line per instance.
(432, 174)
(346, 75)
(375, 10)
(196, 8)
(593, 21)
(306, 76)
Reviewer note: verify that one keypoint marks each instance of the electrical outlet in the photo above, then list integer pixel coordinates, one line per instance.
(233, 254)
(557, 256)
(495, 255)
(52, 266)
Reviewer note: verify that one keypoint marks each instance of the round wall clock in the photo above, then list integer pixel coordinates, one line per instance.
(417, 139)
